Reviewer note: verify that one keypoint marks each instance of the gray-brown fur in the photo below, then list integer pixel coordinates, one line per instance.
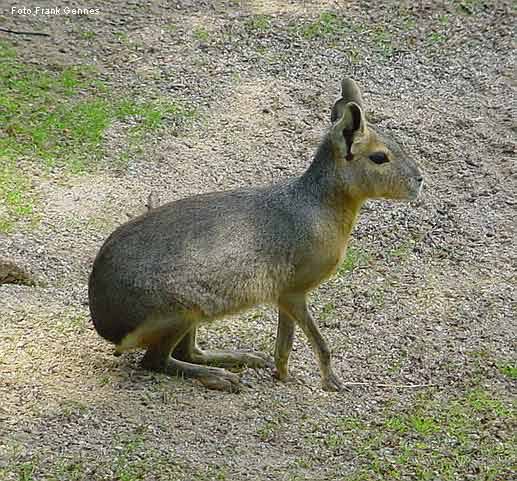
(197, 259)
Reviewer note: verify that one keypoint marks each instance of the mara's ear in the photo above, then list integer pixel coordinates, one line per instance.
(337, 110)
(350, 118)
(350, 92)
(350, 125)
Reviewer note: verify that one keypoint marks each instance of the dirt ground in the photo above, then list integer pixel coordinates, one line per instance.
(423, 319)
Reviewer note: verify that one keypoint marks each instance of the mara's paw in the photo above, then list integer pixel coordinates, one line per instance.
(220, 380)
(233, 359)
(332, 383)
(257, 360)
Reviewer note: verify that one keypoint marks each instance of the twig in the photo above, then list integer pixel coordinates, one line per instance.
(16, 32)
(401, 386)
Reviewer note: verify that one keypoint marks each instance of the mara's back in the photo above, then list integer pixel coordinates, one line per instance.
(208, 255)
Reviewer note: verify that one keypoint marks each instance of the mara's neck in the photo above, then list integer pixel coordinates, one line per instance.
(329, 187)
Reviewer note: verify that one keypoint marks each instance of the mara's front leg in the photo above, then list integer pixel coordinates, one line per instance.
(295, 306)
(188, 350)
(284, 344)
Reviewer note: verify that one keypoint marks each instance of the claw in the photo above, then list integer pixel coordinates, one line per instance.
(332, 384)
(277, 374)
(259, 360)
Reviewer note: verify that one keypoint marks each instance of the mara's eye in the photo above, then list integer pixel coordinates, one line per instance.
(379, 158)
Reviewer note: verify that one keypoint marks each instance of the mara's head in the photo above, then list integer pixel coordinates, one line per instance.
(372, 165)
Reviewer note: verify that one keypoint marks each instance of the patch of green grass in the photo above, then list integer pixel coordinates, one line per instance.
(104, 381)
(6, 51)
(201, 34)
(150, 115)
(397, 424)
(334, 437)
(131, 461)
(274, 423)
(447, 439)
(355, 257)
(70, 470)
(303, 462)
(509, 370)
(70, 407)
(266, 431)
(327, 311)
(221, 474)
(396, 366)
(423, 425)
(483, 403)
(259, 23)
(171, 27)
(57, 120)
(405, 17)
(383, 40)
(61, 131)
(436, 38)
(122, 37)
(327, 25)
(444, 19)
(128, 467)
(334, 441)
(210, 472)
(409, 23)
(354, 55)
(43, 117)
(402, 251)
(88, 34)
(26, 471)
(16, 200)
(350, 423)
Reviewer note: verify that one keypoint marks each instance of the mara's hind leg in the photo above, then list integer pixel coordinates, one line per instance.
(188, 350)
(158, 358)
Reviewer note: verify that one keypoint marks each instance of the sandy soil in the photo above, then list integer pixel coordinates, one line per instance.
(432, 298)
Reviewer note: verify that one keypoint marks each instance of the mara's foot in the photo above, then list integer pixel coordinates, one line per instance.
(219, 379)
(211, 377)
(332, 383)
(281, 373)
(230, 359)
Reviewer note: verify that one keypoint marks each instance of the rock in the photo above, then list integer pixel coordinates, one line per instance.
(11, 273)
